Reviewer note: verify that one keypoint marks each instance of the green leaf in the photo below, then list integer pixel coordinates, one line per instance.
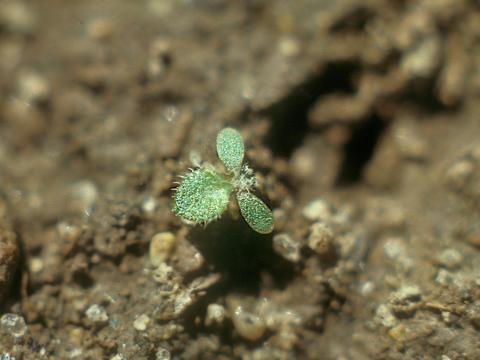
(230, 149)
(202, 196)
(255, 212)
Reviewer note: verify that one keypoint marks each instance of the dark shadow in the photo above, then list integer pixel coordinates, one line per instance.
(359, 150)
(242, 257)
(290, 114)
(233, 249)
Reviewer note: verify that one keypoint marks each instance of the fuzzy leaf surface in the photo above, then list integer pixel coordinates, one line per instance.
(202, 196)
(230, 149)
(255, 212)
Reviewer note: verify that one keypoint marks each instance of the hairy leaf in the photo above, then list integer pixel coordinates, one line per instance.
(255, 212)
(202, 196)
(230, 149)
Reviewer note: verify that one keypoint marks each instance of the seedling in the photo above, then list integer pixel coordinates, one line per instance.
(205, 192)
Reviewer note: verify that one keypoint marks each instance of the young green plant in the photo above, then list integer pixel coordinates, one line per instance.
(204, 193)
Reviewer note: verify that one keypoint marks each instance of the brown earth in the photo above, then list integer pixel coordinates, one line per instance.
(361, 119)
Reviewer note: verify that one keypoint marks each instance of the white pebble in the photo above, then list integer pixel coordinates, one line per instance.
(450, 258)
(407, 292)
(85, 194)
(215, 314)
(162, 354)
(149, 205)
(141, 322)
(33, 87)
(316, 210)
(97, 314)
(36, 265)
(13, 324)
(248, 325)
(384, 316)
(321, 238)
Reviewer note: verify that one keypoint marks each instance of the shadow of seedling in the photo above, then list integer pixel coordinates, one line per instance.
(241, 255)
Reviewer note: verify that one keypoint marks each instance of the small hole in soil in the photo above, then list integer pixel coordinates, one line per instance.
(359, 150)
(290, 115)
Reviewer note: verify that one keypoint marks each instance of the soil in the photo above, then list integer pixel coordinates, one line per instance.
(362, 123)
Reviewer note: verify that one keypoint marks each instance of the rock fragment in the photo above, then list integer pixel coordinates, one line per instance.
(215, 314)
(384, 316)
(161, 247)
(97, 314)
(141, 322)
(13, 324)
(162, 354)
(321, 238)
(450, 258)
(248, 325)
(317, 210)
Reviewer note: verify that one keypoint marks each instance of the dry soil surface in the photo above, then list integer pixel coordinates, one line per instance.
(360, 118)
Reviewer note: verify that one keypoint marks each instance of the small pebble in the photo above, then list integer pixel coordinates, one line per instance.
(459, 174)
(288, 46)
(444, 277)
(164, 274)
(182, 301)
(367, 288)
(303, 164)
(141, 322)
(13, 324)
(17, 17)
(149, 205)
(85, 194)
(215, 314)
(248, 325)
(450, 258)
(68, 232)
(187, 256)
(321, 238)
(161, 247)
(97, 314)
(410, 143)
(397, 333)
(284, 245)
(316, 210)
(162, 354)
(407, 293)
(384, 316)
(118, 357)
(33, 87)
(35, 265)
(422, 59)
(396, 250)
